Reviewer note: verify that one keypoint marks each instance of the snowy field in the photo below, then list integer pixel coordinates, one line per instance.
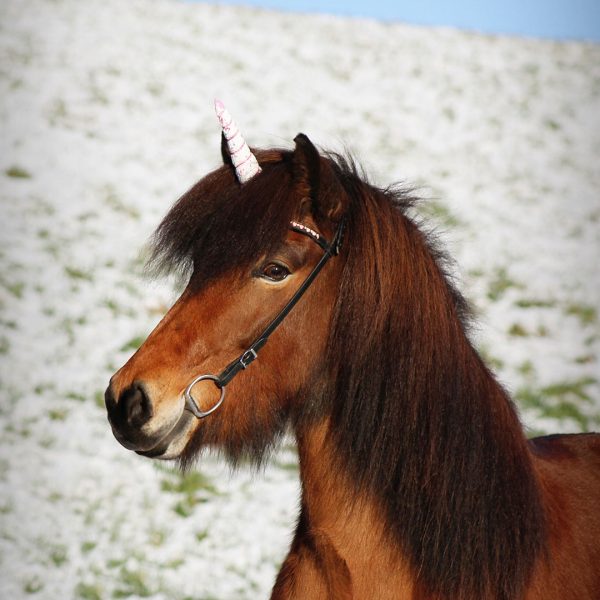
(106, 118)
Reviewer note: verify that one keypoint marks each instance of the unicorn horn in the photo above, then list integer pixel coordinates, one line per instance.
(245, 163)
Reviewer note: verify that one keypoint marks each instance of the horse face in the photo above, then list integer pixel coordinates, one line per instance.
(202, 333)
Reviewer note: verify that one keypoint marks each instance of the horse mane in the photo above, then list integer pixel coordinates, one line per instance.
(418, 421)
(417, 417)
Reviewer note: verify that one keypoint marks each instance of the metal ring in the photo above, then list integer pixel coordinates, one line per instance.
(190, 403)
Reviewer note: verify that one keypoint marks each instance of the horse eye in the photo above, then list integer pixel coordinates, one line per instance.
(274, 272)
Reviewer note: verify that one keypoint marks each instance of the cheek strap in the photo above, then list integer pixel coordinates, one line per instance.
(251, 354)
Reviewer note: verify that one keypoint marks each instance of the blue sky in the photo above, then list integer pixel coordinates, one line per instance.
(563, 19)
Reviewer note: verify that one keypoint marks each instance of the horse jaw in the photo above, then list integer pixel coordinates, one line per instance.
(172, 445)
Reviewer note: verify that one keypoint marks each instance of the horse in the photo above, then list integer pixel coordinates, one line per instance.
(417, 479)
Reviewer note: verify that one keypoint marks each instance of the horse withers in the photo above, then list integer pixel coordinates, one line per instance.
(315, 304)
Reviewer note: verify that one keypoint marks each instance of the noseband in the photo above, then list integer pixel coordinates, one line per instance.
(251, 354)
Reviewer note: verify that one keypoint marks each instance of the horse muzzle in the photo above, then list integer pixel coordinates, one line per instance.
(138, 426)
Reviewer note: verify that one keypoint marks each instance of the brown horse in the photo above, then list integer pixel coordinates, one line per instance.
(417, 479)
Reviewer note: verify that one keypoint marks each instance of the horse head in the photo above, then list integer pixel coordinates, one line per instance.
(248, 237)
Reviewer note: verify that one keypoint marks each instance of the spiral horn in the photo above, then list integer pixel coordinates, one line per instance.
(245, 163)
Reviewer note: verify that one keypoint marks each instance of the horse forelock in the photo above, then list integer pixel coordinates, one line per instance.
(219, 225)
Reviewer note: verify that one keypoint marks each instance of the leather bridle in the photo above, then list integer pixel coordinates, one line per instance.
(251, 354)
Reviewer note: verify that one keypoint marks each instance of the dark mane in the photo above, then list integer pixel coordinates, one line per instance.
(214, 227)
(418, 420)
(418, 417)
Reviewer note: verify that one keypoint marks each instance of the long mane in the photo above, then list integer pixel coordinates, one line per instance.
(418, 418)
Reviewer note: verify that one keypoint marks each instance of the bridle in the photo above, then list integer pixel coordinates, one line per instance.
(221, 380)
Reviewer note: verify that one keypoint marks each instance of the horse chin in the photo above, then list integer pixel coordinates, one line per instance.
(173, 444)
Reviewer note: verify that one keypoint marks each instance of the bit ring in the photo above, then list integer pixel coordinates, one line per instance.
(190, 402)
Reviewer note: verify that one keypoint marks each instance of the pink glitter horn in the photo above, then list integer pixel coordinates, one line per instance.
(245, 163)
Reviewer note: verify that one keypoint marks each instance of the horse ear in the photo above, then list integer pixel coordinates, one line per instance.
(225, 151)
(307, 167)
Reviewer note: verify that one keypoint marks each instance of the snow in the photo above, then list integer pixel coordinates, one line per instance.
(106, 118)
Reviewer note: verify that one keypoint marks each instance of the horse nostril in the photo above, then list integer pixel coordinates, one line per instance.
(135, 405)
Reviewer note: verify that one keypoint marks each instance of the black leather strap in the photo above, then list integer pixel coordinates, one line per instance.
(251, 354)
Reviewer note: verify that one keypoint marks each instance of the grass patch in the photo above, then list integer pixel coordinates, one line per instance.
(500, 283)
(99, 399)
(58, 555)
(195, 488)
(587, 314)
(439, 212)
(33, 585)
(184, 508)
(133, 584)
(115, 563)
(201, 535)
(111, 305)
(189, 483)
(87, 547)
(517, 330)
(573, 388)
(567, 410)
(58, 414)
(476, 273)
(585, 359)
(291, 466)
(173, 564)
(85, 591)
(115, 203)
(526, 368)
(47, 441)
(16, 289)
(133, 344)
(43, 387)
(17, 172)
(77, 274)
(560, 400)
(9, 324)
(75, 396)
(533, 303)
(117, 309)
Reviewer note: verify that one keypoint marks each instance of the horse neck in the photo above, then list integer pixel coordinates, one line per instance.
(454, 518)
(342, 531)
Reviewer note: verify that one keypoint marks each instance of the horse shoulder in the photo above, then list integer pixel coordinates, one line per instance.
(568, 468)
(313, 570)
